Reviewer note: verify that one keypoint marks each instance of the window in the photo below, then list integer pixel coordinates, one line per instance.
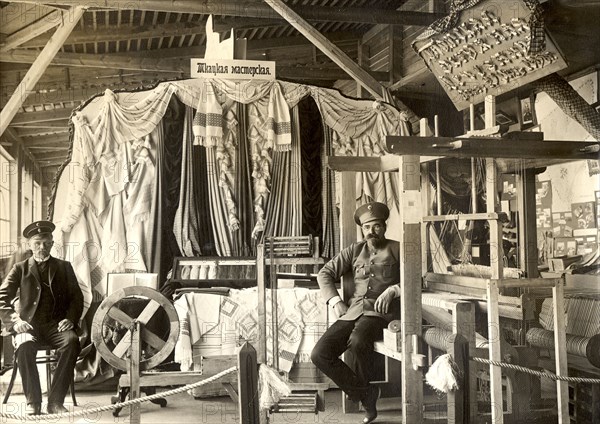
(37, 202)
(27, 193)
(4, 201)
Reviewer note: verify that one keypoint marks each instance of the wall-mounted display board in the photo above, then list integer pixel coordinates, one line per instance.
(488, 52)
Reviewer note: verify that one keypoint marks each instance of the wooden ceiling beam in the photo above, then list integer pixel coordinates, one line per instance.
(41, 132)
(70, 19)
(111, 61)
(41, 125)
(116, 33)
(62, 149)
(57, 96)
(31, 31)
(46, 140)
(253, 9)
(41, 116)
(334, 53)
(180, 65)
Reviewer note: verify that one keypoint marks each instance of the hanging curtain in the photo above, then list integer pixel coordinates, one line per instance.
(168, 178)
(311, 141)
(331, 223)
(185, 226)
(284, 209)
(243, 187)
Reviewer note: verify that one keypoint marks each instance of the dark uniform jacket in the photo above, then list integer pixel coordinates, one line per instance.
(25, 278)
(373, 273)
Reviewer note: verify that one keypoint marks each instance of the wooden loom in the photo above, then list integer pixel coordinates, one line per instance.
(408, 163)
(274, 253)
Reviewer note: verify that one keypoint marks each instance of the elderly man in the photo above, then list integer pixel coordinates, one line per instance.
(49, 307)
(362, 318)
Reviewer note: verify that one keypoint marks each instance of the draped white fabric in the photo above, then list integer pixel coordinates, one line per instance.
(108, 187)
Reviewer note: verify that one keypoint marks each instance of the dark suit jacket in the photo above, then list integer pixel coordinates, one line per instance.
(25, 277)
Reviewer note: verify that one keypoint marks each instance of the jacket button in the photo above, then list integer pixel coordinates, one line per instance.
(370, 287)
(35, 303)
(372, 275)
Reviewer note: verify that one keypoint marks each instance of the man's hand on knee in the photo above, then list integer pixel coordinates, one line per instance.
(382, 304)
(65, 325)
(21, 326)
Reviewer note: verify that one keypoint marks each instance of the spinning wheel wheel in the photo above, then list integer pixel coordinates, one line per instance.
(128, 334)
(109, 311)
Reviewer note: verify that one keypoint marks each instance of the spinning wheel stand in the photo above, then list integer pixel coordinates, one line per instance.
(127, 354)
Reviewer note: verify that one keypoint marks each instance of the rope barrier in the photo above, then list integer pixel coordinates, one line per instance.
(545, 374)
(121, 404)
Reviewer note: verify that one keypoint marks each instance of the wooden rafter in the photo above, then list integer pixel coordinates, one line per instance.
(41, 125)
(258, 10)
(45, 140)
(331, 50)
(178, 67)
(119, 32)
(39, 132)
(41, 116)
(114, 61)
(31, 31)
(39, 66)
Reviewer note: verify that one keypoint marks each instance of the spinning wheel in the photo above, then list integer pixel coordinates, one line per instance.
(128, 334)
(118, 356)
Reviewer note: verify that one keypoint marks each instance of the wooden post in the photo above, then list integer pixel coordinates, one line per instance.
(348, 233)
(70, 19)
(438, 179)
(248, 385)
(409, 235)
(262, 304)
(134, 373)
(459, 400)
(426, 197)
(527, 223)
(492, 297)
(463, 323)
(560, 352)
(496, 255)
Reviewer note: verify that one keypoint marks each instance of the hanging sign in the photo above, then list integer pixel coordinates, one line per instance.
(491, 50)
(233, 69)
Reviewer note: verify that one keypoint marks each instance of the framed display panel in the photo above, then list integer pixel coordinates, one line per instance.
(487, 53)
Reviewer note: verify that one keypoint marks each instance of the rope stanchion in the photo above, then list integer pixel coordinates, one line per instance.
(121, 404)
(545, 374)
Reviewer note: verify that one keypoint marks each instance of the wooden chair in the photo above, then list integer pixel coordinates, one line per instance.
(49, 359)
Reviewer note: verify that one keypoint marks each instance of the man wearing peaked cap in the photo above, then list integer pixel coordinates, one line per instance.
(38, 227)
(374, 211)
(50, 306)
(375, 264)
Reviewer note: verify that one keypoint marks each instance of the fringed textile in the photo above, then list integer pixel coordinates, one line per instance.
(443, 374)
(271, 387)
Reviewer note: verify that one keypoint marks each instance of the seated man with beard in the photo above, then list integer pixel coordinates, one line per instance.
(50, 304)
(375, 265)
